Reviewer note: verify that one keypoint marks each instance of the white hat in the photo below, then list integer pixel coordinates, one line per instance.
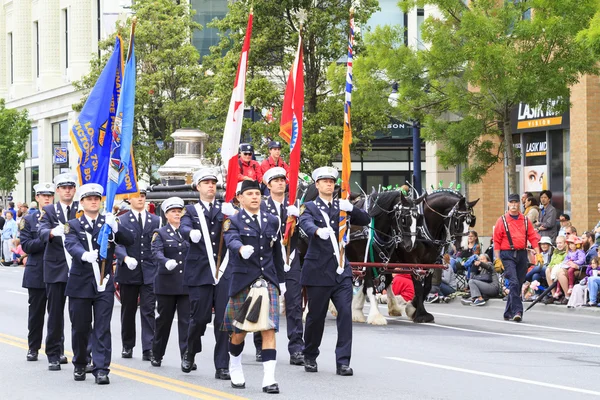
(44, 188)
(204, 174)
(142, 188)
(275, 172)
(170, 203)
(325, 173)
(545, 239)
(90, 189)
(66, 179)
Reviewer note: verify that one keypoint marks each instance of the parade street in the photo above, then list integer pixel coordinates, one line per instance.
(469, 353)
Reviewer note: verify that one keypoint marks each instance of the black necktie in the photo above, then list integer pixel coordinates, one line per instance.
(255, 217)
(92, 225)
(140, 222)
(68, 216)
(178, 234)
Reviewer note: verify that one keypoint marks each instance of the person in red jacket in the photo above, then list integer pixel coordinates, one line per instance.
(249, 169)
(274, 159)
(511, 234)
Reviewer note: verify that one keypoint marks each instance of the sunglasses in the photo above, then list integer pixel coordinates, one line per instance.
(247, 154)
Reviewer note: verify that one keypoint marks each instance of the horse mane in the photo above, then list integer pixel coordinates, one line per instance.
(447, 190)
(383, 202)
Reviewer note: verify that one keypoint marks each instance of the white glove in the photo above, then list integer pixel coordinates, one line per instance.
(102, 288)
(292, 211)
(58, 231)
(246, 251)
(131, 263)
(228, 209)
(111, 221)
(345, 205)
(282, 289)
(323, 233)
(90, 256)
(286, 267)
(170, 265)
(195, 235)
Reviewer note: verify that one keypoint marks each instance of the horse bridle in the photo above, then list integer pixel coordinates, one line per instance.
(451, 221)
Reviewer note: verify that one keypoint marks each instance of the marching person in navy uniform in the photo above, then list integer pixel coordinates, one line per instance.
(91, 292)
(252, 238)
(321, 275)
(135, 276)
(56, 266)
(33, 277)
(277, 204)
(201, 224)
(168, 251)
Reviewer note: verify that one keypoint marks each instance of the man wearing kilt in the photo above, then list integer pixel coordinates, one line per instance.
(321, 272)
(252, 238)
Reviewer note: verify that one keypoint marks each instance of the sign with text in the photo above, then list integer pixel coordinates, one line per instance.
(525, 118)
(60, 155)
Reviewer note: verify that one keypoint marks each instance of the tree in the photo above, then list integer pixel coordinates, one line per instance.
(169, 78)
(482, 59)
(274, 38)
(15, 129)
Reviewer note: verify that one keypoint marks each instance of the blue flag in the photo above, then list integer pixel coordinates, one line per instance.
(120, 150)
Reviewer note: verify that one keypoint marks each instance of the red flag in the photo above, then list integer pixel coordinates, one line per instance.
(235, 117)
(290, 128)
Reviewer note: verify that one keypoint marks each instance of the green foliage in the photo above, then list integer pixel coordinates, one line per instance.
(482, 58)
(15, 129)
(169, 77)
(274, 40)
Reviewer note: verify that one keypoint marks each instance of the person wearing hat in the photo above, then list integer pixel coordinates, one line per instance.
(90, 287)
(33, 276)
(169, 249)
(249, 169)
(538, 272)
(252, 238)
(274, 159)
(322, 275)
(277, 205)
(135, 276)
(201, 226)
(56, 264)
(511, 234)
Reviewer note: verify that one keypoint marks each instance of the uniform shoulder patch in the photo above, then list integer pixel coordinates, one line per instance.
(67, 228)
(78, 214)
(183, 211)
(302, 208)
(22, 224)
(154, 236)
(42, 215)
(226, 225)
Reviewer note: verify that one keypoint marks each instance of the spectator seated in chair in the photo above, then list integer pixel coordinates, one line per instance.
(442, 286)
(565, 272)
(558, 257)
(538, 271)
(484, 282)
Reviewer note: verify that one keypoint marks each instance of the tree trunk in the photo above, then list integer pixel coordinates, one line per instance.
(509, 150)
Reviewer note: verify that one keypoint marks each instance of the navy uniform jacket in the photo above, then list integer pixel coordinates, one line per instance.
(33, 246)
(197, 270)
(266, 259)
(168, 245)
(144, 273)
(55, 264)
(320, 264)
(82, 283)
(268, 205)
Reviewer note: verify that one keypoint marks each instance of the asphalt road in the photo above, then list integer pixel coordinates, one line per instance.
(469, 353)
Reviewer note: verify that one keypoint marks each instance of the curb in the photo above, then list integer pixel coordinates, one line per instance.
(552, 307)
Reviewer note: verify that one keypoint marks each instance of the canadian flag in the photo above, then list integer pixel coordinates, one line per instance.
(235, 117)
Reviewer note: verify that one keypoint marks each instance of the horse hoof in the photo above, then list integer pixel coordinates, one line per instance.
(358, 316)
(410, 311)
(395, 312)
(376, 319)
(424, 319)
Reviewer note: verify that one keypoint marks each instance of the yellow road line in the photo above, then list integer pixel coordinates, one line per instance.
(149, 378)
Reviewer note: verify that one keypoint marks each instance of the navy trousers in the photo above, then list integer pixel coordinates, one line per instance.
(129, 306)
(515, 270)
(35, 323)
(55, 334)
(166, 307)
(293, 311)
(318, 303)
(202, 300)
(81, 312)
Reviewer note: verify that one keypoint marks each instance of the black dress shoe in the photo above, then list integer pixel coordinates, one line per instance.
(54, 366)
(155, 362)
(187, 361)
(79, 374)
(63, 359)
(89, 368)
(222, 374)
(271, 389)
(147, 355)
(297, 358)
(32, 355)
(102, 379)
(344, 370)
(127, 353)
(310, 366)
(194, 367)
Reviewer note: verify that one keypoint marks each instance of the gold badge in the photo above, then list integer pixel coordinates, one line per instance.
(154, 236)
(67, 228)
(302, 208)
(22, 224)
(226, 225)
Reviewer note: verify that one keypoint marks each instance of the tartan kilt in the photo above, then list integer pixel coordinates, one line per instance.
(236, 301)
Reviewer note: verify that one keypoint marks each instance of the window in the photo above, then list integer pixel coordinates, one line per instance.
(33, 176)
(66, 36)
(420, 21)
(206, 11)
(36, 35)
(60, 141)
(33, 148)
(10, 58)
